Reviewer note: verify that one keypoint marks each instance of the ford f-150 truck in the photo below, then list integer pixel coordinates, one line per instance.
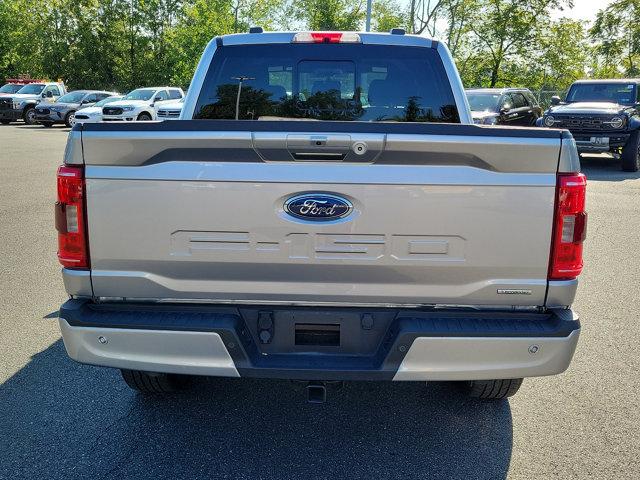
(324, 211)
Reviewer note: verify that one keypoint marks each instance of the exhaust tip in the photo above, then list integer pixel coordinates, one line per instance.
(316, 393)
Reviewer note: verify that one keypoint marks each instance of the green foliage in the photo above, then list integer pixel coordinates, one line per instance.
(124, 44)
(386, 15)
(508, 29)
(201, 21)
(565, 55)
(331, 14)
(617, 33)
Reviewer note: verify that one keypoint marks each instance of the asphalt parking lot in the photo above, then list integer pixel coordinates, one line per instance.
(59, 419)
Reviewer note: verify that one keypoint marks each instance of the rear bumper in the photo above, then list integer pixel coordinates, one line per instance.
(378, 344)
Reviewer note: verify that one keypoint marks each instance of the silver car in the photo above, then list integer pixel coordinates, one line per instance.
(93, 114)
(64, 110)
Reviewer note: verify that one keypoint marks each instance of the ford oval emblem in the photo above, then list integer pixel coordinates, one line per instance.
(318, 207)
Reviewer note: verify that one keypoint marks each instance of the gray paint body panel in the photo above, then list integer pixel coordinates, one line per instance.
(193, 353)
(419, 234)
(197, 215)
(463, 359)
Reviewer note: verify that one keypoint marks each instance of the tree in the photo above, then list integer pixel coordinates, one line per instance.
(386, 15)
(125, 44)
(201, 21)
(617, 33)
(424, 14)
(331, 14)
(507, 28)
(563, 55)
(459, 16)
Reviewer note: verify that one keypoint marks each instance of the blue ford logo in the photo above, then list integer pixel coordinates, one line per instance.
(318, 207)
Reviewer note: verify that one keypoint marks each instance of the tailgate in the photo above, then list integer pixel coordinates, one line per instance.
(215, 211)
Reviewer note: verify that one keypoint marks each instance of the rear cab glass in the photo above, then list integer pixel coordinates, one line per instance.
(351, 82)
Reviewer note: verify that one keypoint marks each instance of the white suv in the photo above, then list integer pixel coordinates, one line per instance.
(141, 104)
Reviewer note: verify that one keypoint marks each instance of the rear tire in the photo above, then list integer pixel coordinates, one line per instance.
(29, 116)
(153, 383)
(493, 389)
(631, 153)
(70, 119)
(144, 117)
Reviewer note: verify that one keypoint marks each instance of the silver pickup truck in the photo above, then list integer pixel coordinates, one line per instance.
(324, 211)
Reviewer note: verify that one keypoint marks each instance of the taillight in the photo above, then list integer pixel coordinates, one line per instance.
(326, 37)
(570, 227)
(70, 218)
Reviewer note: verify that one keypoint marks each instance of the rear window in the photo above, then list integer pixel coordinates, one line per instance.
(327, 82)
(483, 101)
(10, 88)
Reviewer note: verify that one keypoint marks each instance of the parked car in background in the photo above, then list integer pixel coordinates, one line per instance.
(141, 104)
(10, 88)
(21, 105)
(64, 109)
(603, 116)
(171, 111)
(93, 114)
(503, 106)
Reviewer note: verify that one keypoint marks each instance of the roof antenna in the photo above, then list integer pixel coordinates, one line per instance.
(240, 80)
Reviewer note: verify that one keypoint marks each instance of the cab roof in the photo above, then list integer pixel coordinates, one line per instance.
(497, 91)
(610, 80)
(367, 38)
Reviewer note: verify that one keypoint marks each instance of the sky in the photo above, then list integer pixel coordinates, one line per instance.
(583, 9)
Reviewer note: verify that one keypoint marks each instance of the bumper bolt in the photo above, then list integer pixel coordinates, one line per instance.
(402, 348)
(533, 349)
(102, 339)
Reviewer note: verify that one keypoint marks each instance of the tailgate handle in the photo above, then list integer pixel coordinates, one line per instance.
(319, 156)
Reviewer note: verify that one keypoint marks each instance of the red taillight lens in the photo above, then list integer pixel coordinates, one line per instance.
(570, 227)
(326, 37)
(70, 218)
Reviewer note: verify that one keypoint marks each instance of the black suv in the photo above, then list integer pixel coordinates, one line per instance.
(503, 106)
(603, 116)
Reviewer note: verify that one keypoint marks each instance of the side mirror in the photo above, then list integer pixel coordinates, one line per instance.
(85, 101)
(44, 95)
(157, 99)
(555, 100)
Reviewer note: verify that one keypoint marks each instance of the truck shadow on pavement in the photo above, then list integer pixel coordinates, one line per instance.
(605, 168)
(64, 420)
